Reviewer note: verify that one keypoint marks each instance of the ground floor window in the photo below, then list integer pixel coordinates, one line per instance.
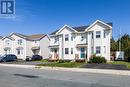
(66, 50)
(19, 51)
(98, 50)
(71, 50)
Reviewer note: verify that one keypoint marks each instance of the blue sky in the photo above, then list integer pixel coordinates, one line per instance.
(45, 16)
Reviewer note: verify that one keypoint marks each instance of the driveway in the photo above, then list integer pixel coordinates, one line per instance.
(20, 77)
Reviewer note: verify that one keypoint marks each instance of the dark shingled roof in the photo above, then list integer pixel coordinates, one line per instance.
(80, 28)
(31, 37)
(1, 37)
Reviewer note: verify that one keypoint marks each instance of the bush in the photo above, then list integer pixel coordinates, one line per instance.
(80, 61)
(97, 59)
(64, 61)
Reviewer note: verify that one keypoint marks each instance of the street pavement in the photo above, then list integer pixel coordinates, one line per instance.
(25, 77)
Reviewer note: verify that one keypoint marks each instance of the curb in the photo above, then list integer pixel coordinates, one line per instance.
(88, 70)
(18, 66)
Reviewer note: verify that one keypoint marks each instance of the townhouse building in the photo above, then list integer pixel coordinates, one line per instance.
(81, 42)
(24, 46)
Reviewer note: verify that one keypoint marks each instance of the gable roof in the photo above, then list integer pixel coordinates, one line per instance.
(35, 37)
(8, 38)
(82, 28)
(30, 37)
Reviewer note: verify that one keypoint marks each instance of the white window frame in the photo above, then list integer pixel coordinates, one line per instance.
(66, 51)
(98, 34)
(66, 37)
(98, 49)
(20, 42)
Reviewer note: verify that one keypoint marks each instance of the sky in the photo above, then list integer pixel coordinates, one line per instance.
(46, 16)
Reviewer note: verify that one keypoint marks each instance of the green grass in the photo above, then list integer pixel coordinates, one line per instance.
(66, 64)
(127, 64)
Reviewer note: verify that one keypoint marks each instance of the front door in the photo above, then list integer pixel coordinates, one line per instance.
(82, 52)
(55, 53)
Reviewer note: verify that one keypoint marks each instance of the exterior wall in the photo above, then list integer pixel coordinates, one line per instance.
(28, 48)
(4, 45)
(26, 45)
(104, 43)
(44, 50)
(100, 41)
(16, 45)
(67, 44)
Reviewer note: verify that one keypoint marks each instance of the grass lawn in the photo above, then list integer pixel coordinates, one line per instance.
(65, 64)
(127, 64)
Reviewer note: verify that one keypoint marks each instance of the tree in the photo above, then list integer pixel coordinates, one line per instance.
(113, 45)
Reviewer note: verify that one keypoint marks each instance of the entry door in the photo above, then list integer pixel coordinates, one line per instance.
(82, 52)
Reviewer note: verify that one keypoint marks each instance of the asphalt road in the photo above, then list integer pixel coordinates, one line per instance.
(15, 77)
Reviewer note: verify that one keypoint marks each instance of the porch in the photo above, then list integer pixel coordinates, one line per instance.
(81, 52)
(54, 52)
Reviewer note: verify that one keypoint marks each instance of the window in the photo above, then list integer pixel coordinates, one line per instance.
(82, 38)
(92, 35)
(35, 41)
(72, 37)
(71, 50)
(7, 42)
(18, 51)
(104, 34)
(66, 50)
(98, 49)
(98, 34)
(66, 37)
(20, 42)
(104, 49)
(56, 39)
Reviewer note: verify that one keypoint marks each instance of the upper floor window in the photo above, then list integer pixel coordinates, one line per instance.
(35, 41)
(98, 50)
(20, 42)
(7, 42)
(72, 38)
(56, 39)
(82, 38)
(104, 35)
(66, 37)
(66, 50)
(98, 34)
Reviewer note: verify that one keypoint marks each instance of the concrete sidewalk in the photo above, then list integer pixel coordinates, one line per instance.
(88, 70)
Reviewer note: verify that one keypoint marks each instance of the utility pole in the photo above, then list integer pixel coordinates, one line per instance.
(120, 40)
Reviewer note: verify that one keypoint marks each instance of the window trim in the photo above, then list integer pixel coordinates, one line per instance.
(66, 51)
(98, 51)
(66, 37)
(98, 34)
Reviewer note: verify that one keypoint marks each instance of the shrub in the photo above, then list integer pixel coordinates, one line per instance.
(79, 61)
(97, 59)
(64, 61)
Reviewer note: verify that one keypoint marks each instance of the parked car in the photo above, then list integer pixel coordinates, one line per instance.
(8, 58)
(36, 57)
